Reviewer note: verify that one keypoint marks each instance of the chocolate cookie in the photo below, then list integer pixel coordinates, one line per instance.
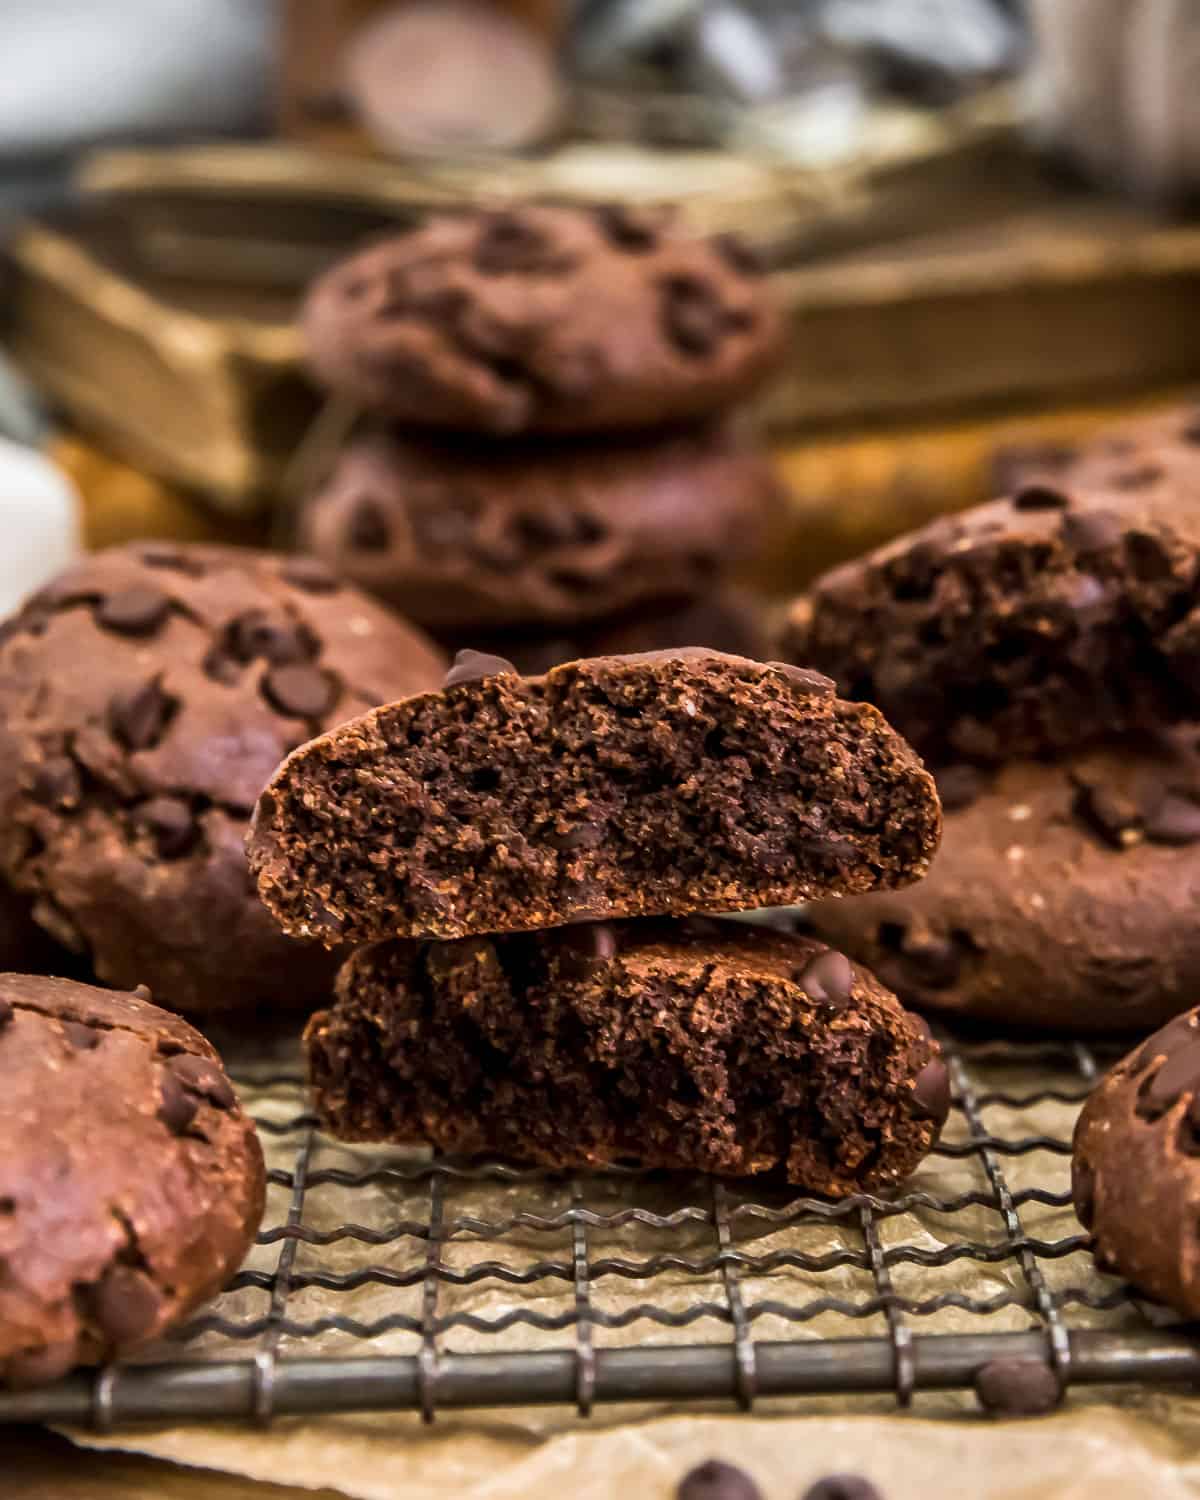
(618, 786)
(467, 535)
(1065, 613)
(145, 698)
(544, 319)
(1063, 896)
(1136, 1166)
(131, 1183)
(725, 620)
(700, 1045)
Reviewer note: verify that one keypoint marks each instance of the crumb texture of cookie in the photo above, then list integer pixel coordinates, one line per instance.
(146, 696)
(700, 1044)
(540, 318)
(1135, 1169)
(131, 1183)
(462, 534)
(1063, 896)
(1063, 614)
(658, 784)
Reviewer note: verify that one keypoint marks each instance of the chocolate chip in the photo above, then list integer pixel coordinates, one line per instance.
(56, 783)
(739, 255)
(815, 683)
(300, 692)
(177, 1105)
(368, 529)
(1040, 497)
(139, 716)
(1181, 1032)
(1172, 818)
(714, 1480)
(842, 1487)
(827, 979)
(509, 243)
(1022, 1387)
(310, 575)
(142, 992)
(203, 1077)
(1088, 531)
(934, 963)
(171, 557)
(1179, 1075)
(170, 823)
(589, 835)
(1149, 556)
(931, 1091)
(135, 611)
(584, 946)
(959, 786)
(470, 666)
(82, 1038)
(1136, 478)
(6, 1011)
(692, 315)
(628, 227)
(1083, 1191)
(1117, 819)
(281, 642)
(1190, 431)
(125, 1304)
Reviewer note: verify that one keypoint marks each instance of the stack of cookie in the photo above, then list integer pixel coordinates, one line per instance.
(1041, 652)
(548, 467)
(524, 860)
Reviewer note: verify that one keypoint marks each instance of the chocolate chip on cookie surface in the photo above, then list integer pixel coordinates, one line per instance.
(659, 784)
(131, 1183)
(145, 698)
(540, 318)
(702, 1045)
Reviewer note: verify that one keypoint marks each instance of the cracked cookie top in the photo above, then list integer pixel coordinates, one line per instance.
(537, 318)
(145, 698)
(157, 1174)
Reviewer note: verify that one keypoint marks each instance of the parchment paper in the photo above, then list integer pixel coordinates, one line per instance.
(1103, 1443)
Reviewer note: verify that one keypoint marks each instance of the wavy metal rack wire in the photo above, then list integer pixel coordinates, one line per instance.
(480, 1284)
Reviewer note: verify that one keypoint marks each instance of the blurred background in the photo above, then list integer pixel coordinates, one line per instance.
(975, 212)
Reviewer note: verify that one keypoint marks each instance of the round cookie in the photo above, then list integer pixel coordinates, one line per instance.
(1135, 1170)
(476, 535)
(131, 1183)
(1066, 613)
(544, 319)
(146, 696)
(690, 1044)
(1063, 896)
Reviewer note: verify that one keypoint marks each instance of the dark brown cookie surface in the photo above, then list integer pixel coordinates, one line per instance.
(1136, 1166)
(145, 698)
(665, 783)
(1062, 896)
(699, 1045)
(131, 1184)
(1069, 612)
(543, 319)
(460, 535)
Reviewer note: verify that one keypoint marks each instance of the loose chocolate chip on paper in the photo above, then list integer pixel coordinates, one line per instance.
(931, 1090)
(203, 1077)
(125, 1303)
(470, 666)
(133, 611)
(1024, 1387)
(715, 1480)
(842, 1487)
(1040, 497)
(177, 1105)
(827, 979)
(82, 1038)
(170, 823)
(300, 692)
(139, 716)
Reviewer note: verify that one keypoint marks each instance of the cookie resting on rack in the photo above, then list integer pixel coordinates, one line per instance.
(1068, 612)
(660, 784)
(694, 1044)
(131, 1183)
(1136, 1166)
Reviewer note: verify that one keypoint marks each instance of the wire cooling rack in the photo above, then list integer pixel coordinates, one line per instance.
(389, 1280)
